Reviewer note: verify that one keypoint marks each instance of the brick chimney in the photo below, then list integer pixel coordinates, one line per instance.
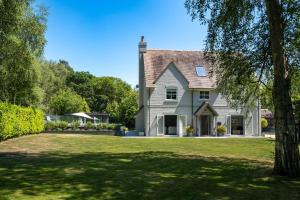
(142, 45)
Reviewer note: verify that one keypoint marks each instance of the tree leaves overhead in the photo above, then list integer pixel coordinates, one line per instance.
(238, 35)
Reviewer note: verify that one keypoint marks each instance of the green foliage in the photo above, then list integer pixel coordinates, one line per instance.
(102, 126)
(112, 126)
(125, 110)
(89, 125)
(22, 39)
(49, 126)
(242, 26)
(189, 130)
(221, 129)
(52, 79)
(67, 101)
(106, 90)
(264, 123)
(63, 125)
(16, 121)
(75, 125)
(80, 82)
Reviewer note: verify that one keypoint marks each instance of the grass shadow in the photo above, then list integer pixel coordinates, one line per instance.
(146, 175)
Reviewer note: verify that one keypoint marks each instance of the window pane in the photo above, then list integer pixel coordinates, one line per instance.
(171, 94)
(200, 70)
(204, 94)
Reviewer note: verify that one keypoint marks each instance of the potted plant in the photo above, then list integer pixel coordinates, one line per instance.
(264, 123)
(221, 130)
(189, 130)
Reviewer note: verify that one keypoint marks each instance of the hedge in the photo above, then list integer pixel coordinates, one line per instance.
(16, 121)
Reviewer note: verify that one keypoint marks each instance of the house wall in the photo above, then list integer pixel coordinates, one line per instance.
(155, 104)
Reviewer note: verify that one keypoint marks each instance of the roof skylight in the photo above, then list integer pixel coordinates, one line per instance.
(200, 70)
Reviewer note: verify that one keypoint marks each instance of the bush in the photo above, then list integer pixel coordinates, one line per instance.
(49, 126)
(89, 125)
(264, 123)
(221, 129)
(75, 125)
(102, 126)
(62, 125)
(112, 126)
(17, 120)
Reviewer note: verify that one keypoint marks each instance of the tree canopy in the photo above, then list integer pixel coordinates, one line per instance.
(68, 101)
(22, 41)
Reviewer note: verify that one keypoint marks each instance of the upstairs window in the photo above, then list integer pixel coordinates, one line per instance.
(171, 94)
(204, 94)
(200, 70)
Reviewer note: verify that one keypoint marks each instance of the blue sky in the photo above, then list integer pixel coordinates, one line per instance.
(101, 36)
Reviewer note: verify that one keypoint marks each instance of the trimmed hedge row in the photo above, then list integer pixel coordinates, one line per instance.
(16, 121)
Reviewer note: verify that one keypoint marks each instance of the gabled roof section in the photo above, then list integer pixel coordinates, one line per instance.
(156, 61)
(203, 107)
(170, 65)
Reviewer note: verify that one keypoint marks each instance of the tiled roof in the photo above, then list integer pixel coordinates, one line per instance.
(155, 62)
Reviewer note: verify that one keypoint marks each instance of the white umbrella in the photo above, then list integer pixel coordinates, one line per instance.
(81, 114)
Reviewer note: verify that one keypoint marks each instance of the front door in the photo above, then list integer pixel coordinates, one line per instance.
(205, 124)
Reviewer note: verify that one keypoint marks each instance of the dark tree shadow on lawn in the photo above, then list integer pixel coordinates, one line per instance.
(147, 175)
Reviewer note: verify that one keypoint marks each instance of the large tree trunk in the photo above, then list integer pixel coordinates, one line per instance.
(287, 160)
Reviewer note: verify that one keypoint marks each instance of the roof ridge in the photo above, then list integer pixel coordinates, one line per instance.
(154, 49)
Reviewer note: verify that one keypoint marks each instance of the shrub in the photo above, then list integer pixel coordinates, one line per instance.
(62, 125)
(89, 125)
(264, 123)
(49, 126)
(17, 120)
(112, 126)
(75, 125)
(221, 129)
(102, 126)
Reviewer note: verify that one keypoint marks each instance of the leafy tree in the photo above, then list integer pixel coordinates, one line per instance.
(22, 41)
(67, 101)
(80, 82)
(124, 111)
(105, 90)
(53, 78)
(262, 38)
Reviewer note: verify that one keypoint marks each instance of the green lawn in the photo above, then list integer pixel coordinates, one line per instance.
(57, 166)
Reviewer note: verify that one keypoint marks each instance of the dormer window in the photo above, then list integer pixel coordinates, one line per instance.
(200, 70)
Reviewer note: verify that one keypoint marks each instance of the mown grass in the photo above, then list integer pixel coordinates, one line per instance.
(66, 166)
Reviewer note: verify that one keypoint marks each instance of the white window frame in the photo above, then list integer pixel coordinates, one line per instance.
(201, 98)
(202, 68)
(171, 88)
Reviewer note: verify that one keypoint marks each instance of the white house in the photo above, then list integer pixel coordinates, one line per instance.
(175, 90)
